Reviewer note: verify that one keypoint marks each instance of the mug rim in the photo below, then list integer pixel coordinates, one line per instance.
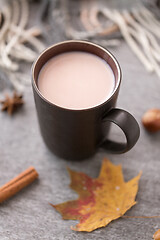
(34, 84)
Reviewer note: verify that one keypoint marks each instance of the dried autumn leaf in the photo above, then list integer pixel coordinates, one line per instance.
(156, 236)
(101, 200)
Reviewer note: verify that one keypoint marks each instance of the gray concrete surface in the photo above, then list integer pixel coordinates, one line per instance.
(29, 216)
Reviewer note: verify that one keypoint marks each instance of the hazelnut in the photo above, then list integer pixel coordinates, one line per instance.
(151, 120)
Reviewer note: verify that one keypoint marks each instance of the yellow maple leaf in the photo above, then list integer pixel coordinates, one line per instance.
(156, 235)
(101, 200)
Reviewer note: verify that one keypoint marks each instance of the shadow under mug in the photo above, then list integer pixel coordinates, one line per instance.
(76, 134)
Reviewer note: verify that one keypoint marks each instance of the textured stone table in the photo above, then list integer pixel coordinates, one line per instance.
(29, 216)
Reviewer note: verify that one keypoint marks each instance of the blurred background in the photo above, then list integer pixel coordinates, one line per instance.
(27, 27)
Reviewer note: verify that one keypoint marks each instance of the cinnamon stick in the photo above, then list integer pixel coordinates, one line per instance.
(18, 183)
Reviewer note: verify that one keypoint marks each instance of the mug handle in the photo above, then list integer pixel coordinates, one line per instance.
(129, 126)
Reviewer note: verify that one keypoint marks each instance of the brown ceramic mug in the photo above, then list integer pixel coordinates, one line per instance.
(76, 134)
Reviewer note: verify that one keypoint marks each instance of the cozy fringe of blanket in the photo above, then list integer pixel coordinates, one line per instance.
(140, 30)
(138, 26)
(17, 43)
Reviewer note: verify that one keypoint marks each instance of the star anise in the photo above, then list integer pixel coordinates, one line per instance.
(10, 104)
